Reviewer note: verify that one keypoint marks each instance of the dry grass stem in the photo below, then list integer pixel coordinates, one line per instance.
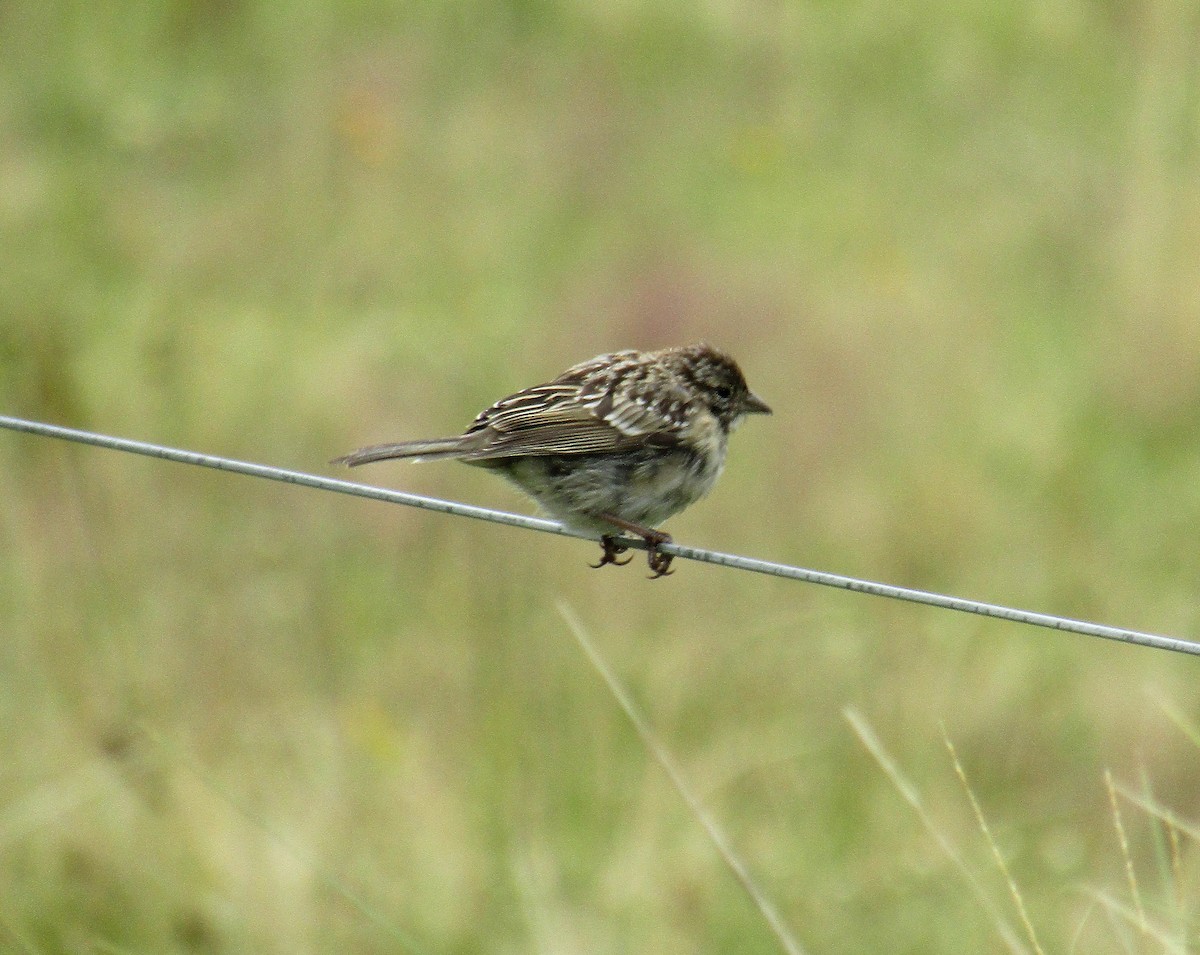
(908, 791)
(664, 759)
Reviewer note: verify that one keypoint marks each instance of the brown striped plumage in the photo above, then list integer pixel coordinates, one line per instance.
(622, 441)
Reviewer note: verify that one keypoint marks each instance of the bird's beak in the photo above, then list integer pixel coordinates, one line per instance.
(752, 404)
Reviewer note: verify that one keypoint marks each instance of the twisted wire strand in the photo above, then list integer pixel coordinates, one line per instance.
(733, 561)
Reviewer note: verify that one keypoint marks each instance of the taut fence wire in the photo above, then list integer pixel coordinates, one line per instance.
(732, 561)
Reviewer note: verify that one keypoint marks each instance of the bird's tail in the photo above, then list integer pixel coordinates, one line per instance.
(417, 450)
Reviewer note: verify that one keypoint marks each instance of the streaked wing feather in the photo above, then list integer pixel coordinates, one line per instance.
(559, 418)
(636, 419)
(566, 439)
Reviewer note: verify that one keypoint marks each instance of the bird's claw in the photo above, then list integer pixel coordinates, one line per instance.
(661, 565)
(659, 562)
(612, 549)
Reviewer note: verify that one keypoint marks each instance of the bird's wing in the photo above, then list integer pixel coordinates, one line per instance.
(567, 417)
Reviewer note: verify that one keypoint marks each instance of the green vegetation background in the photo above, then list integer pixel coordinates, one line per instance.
(954, 244)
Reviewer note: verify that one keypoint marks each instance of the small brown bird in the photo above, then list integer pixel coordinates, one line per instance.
(617, 443)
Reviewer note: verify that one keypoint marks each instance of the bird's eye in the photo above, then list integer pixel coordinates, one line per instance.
(724, 392)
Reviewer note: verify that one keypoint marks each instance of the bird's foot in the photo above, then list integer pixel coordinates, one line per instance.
(612, 549)
(659, 562)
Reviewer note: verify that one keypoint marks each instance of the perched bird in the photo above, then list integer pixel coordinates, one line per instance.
(617, 443)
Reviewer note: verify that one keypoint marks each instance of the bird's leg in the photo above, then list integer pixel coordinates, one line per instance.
(659, 562)
(613, 548)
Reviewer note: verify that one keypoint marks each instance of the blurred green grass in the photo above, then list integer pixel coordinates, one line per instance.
(953, 244)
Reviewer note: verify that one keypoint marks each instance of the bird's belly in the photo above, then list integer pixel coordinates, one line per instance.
(644, 487)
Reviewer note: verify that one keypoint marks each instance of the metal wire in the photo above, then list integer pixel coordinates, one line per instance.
(734, 561)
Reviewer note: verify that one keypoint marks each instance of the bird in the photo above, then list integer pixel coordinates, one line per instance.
(620, 442)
